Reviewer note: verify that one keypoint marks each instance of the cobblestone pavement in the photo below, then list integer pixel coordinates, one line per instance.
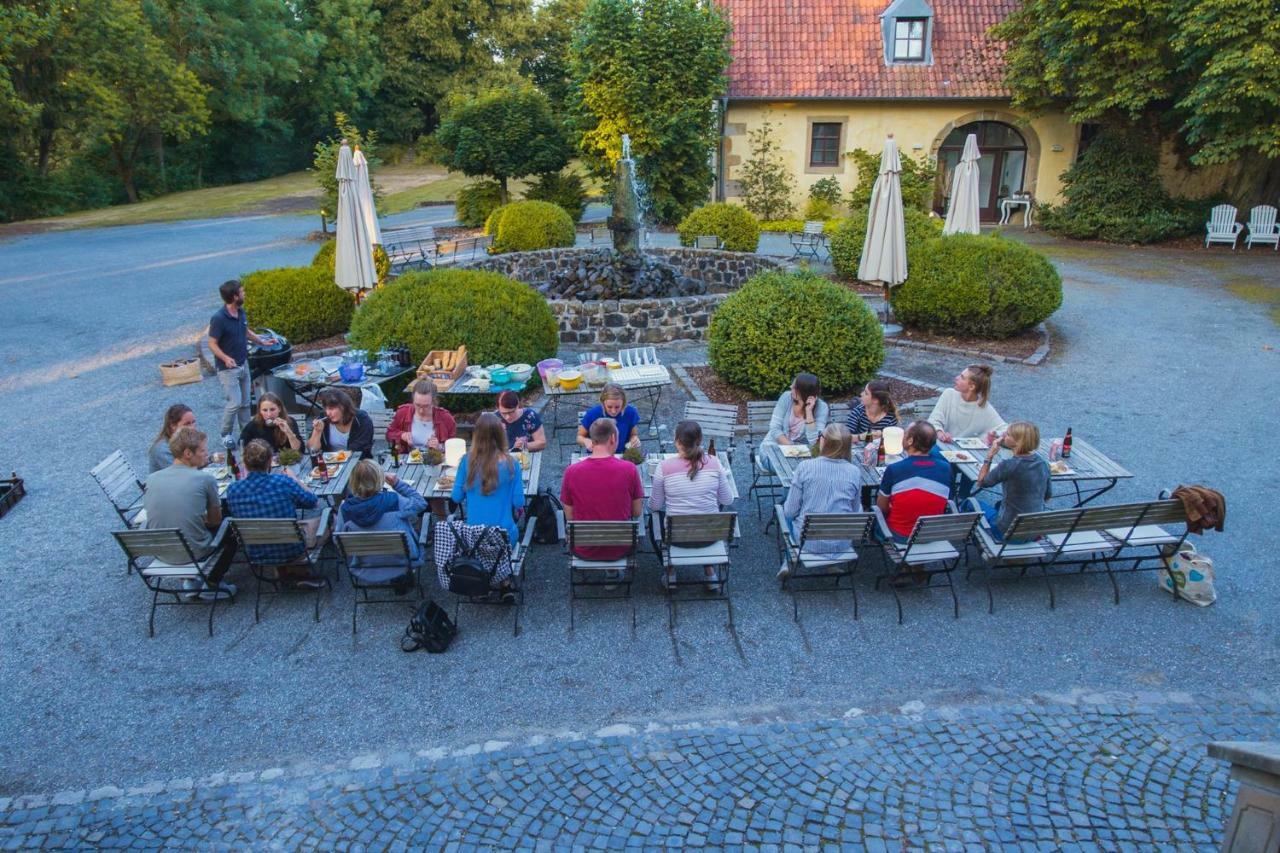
(1053, 773)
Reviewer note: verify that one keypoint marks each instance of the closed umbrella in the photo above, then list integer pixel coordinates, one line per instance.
(884, 251)
(962, 213)
(353, 254)
(364, 191)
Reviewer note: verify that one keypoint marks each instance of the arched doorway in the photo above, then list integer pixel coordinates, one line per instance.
(1001, 168)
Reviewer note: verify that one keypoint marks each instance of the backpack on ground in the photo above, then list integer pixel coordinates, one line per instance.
(547, 511)
(430, 629)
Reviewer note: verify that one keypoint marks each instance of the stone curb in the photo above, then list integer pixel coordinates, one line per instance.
(1033, 360)
(939, 706)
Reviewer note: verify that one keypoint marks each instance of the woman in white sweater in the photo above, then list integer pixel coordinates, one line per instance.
(964, 411)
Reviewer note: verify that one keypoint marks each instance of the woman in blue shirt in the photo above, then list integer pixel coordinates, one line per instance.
(613, 404)
(489, 481)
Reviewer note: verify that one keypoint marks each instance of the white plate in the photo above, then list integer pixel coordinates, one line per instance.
(959, 457)
(795, 451)
(971, 443)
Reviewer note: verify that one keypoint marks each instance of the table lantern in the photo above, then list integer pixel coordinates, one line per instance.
(454, 450)
(893, 440)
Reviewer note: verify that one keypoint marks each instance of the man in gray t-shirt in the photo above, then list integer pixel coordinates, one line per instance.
(186, 497)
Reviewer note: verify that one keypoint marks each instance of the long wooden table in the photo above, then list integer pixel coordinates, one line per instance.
(330, 490)
(1086, 466)
(425, 478)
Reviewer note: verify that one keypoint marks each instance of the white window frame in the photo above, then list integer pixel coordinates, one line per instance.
(903, 39)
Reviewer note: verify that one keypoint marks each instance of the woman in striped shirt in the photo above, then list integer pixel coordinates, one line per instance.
(873, 412)
(688, 483)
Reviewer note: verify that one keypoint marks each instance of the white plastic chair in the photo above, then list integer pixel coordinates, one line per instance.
(1222, 226)
(638, 356)
(1262, 227)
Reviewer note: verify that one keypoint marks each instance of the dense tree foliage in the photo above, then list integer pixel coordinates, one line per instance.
(631, 74)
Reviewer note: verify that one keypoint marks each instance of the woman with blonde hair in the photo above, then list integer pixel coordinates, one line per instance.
(827, 483)
(613, 404)
(176, 417)
(371, 507)
(1024, 478)
(964, 410)
(489, 482)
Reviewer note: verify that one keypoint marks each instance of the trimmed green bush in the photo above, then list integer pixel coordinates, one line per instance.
(780, 324)
(526, 226)
(491, 221)
(564, 189)
(827, 189)
(301, 303)
(851, 233)
(732, 223)
(499, 319)
(977, 286)
(476, 201)
(326, 258)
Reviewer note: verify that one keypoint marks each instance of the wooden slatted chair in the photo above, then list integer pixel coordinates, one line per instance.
(122, 486)
(1222, 226)
(838, 413)
(601, 234)
(170, 569)
(411, 246)
(852, 530)
(603, 577)
(1262, 227)
(719, 422)
(381, 421)
(393, 545)
(1033, 540)
(939, 540)
(255, 533)
(765, 485)
(698, 540)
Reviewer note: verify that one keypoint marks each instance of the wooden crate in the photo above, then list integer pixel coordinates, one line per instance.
(442, 378)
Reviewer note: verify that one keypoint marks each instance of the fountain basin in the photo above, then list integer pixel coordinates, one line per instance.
(604, 297)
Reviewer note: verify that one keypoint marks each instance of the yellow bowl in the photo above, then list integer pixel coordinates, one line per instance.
(570, 379)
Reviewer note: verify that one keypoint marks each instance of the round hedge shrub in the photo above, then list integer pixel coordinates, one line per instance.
(526, 226)
(326, 258)
(977, 286)
(499, 319)
(732, 223)
(779, 324)
(476, 201)
(301, 303)
(851, 233)
(491, 221)
(563, 188)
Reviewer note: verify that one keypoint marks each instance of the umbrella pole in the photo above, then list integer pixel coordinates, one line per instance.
(887, 327)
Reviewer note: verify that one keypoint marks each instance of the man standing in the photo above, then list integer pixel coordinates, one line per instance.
(602, 487)
(185, 497)
(229, 335)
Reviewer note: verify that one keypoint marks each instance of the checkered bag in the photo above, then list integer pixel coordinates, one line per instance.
(473, 549)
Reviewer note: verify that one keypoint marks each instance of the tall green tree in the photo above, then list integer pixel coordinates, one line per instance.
(504, 133)
(132, 88)
(543, 49)
(766, 181)
(428, 48)
(347, 67)
(652, 69)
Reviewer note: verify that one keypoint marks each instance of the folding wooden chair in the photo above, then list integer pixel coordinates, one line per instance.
(719, 422)
(851, 530)
(254, 534)
(392, 545)
(697, 540)
(605, 575)
(936, 539)
(122, 486)
(169, 567)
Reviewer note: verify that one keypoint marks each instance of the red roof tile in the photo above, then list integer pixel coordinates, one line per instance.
(834, 49)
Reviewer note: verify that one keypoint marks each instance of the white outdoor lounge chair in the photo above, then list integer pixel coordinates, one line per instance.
(1262, 227)
(1222, 226)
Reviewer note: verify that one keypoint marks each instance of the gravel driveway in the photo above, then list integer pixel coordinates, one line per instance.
(1154, 360)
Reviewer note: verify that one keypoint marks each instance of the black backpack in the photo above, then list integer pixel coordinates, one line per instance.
(467, 573)
(546, 528)
(430, 629)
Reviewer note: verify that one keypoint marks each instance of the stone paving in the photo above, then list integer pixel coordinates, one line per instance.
(1118, 772)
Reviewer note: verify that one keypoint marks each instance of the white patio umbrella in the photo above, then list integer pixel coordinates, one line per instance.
(884, 251)
(364, 191)
(962, 213)
(353, 254)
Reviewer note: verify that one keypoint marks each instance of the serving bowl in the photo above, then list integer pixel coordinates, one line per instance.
(520, 372)
(570, 379)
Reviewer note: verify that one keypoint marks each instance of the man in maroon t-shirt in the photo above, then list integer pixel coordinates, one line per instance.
(602, 487)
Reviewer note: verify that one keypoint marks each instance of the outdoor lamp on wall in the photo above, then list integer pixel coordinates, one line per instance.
(893, 440)
(1056, 148)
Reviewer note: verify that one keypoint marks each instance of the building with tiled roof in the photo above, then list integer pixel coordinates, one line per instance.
(835, 75)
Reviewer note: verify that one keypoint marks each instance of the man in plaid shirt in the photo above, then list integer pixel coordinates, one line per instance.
(266, 495)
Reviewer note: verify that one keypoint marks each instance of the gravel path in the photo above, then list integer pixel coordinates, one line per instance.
(1153, 357)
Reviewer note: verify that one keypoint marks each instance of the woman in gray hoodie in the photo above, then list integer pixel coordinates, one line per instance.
(370, 507)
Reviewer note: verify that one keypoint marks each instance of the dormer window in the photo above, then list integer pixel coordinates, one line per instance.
(907, 27)
(908, 39)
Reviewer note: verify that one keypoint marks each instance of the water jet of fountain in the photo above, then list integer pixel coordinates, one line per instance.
(627, 219)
